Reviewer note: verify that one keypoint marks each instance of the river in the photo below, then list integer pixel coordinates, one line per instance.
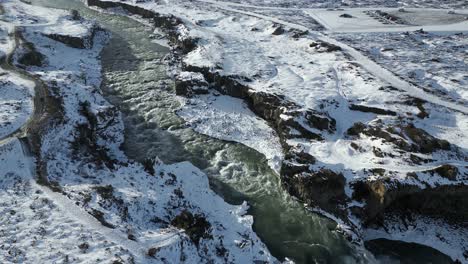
(135, 79)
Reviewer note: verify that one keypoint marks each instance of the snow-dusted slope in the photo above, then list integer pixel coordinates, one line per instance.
(36, 228)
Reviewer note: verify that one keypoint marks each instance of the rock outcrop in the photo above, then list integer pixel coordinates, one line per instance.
(29, 56)
(383, 196)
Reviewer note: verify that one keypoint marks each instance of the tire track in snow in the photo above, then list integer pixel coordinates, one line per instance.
(384, 74)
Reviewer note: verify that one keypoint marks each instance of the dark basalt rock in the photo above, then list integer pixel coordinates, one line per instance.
(322, 46)
(345, 15)
(320, 121)
(323, 188)
(423, 141)
(296, 33)
(168, 23)
(356, 129)
(190, 84)
(71, 41)
(106, 192)
(108, 199)
(296, 162)
(30, 56)
(417, 140)
(384, 17)
(267, 105)
(75, 15)
(195, 226)
(100, 217)
(130, 8)
(419, 103)
(290, 168)
(88, 134)
(74, 42)
(148, 165)
(279, 30)
(378, 132)
(384, 196)
(291, 128)
(374, 110)
(299, 156)
(447, 171)
(152, 252)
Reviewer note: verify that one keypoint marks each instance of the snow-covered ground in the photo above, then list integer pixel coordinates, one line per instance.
(35, 228)
(371, 20)
(433, 61)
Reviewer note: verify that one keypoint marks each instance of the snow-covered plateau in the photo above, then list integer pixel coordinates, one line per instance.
(360, 107)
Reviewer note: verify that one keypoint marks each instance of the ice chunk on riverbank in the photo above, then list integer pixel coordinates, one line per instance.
(229, 118)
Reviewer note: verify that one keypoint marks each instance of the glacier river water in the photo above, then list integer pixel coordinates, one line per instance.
(135, 80)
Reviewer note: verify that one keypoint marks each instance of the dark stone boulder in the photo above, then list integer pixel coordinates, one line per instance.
(320, 121)
(345, 15)
(30, 56)
(322, 46)
(266, 105)
(423, 141)
(384, 196)
(291, 128)
(296, 161)
(279, 30)
(75, 15)
(356, 129)
(296, 33)
(189, 83)
(77, 42)
(90, 133)
(71, 41)
(447, 171)
(196, 226)
(375, 110)
(407, 138)
(323, 188)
